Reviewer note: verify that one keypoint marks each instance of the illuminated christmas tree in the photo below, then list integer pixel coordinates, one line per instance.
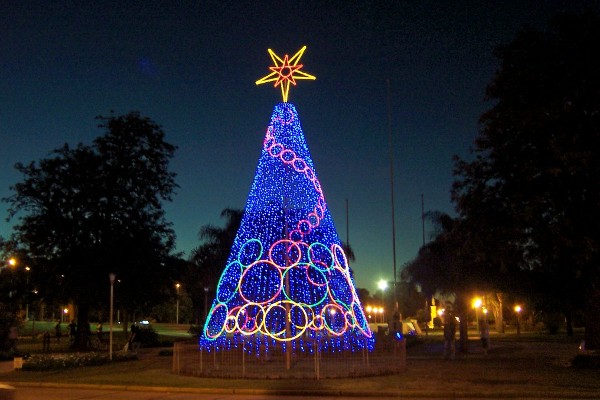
(287, 279)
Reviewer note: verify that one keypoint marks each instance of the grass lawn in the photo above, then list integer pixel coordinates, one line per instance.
(515, 366)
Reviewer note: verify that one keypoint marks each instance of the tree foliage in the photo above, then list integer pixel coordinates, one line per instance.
(533, 188)
(91, 210)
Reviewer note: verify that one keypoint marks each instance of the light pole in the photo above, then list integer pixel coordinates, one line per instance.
(518, 310)
(177, 285)
(205, 303)
(382, 285)
(112, 277)
(27, 269)
(476, 304)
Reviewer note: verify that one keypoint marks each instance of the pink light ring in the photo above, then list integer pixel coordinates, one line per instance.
(304, 227)
(268, 142)
(300, 165)
(243, 313)
(313, 219)
(339, 256)
(285, 122)
(318, 188)
(290, 248)
(319, 212)
(295, 236)
(244, 247)
(275, 150)
(254, 265)
(321, 203)
(212, 314)
(310, 175)
(287, 156)
(317, 323)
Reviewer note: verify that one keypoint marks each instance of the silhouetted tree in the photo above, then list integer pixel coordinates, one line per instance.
(535, 181)
(88, 211)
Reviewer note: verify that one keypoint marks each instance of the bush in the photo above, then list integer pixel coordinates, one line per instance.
(147, 336)
(45, 362)
(587, 361)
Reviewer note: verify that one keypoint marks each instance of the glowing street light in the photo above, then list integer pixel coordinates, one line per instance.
(476, 304)
(177, 286)
(12, 261)
(518, 310)
(382, 285)
(111, 277)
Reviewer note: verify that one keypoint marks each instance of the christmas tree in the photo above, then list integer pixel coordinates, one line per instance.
(287, 280)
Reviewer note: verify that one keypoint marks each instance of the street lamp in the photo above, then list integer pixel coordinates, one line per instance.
(476, 304)
(177, 285)
(382, 285)
(205, 303)
(518, 310)
(111, 277)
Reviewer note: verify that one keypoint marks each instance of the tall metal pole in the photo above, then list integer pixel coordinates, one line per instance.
(111, 276)
(389, 109)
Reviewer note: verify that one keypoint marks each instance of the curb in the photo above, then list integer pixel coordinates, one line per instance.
(321, 393)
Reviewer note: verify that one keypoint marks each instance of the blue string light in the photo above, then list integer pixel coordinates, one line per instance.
(287, 278)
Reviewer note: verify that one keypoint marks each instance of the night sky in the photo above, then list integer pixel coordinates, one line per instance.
(192, 67)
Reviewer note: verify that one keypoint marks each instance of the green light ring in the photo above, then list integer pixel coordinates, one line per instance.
(208, 325)
(288, 297)
(221, 289)
(241, 252)
(314, 261)
(292, 244)
(253, 265)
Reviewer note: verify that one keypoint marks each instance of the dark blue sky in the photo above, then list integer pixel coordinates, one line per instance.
(191, 67)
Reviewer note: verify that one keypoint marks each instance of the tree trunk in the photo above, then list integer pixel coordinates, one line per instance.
(592, 317)
(500, 317)
(82, 338)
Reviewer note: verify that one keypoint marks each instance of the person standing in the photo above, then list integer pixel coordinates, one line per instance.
(58, 332)
(450, 336)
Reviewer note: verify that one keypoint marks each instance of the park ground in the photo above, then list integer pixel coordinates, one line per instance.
(529, 365)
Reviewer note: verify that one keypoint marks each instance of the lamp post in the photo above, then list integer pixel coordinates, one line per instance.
(518, 310)
(112, 277)
(177, 285)
(205, 303)
(382, 285)
(476, 304)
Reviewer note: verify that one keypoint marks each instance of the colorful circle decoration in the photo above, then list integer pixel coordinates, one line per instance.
(287, 279)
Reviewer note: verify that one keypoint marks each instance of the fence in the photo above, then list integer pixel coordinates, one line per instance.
(388, 357)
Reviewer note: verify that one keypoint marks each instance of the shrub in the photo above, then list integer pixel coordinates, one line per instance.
(45, 362)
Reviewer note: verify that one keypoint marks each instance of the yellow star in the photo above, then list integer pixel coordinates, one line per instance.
(285, 71)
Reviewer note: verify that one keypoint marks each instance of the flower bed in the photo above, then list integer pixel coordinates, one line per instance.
(45, 362)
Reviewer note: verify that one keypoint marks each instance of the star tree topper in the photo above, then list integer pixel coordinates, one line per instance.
(285, 71)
